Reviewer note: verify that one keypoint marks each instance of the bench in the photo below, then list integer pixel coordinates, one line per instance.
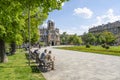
(40, 63)
(44, 66)
(32, 55)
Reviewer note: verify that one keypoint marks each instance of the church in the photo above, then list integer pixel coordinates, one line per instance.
(50, 35)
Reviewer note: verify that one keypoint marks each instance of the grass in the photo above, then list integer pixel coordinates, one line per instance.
(18, 69)
(113, 50)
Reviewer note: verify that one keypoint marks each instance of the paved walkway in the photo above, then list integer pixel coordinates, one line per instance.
(73, 65)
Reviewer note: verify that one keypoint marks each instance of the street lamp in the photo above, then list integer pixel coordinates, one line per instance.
(29, 31)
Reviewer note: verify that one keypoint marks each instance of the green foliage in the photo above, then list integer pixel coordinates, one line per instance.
(39, 11)
(74, 39)
(64, 38)
(15, 15)
(99, 38)
(18, 39)
(70, 39)
(105, 46)
(2, 31)
(105, 37)
(108, 37)
(11, 20)
(89, 38)
(14, 19)
(42, 44)
(87, 45)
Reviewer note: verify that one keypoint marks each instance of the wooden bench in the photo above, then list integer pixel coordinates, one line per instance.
(40, 63)
(44, 66)
(32, 55)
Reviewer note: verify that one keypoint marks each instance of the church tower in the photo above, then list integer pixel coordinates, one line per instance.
(51, 25)
(50, 35)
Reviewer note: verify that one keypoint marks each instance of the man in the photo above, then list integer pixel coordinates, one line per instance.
(42, 58)
(50, 59)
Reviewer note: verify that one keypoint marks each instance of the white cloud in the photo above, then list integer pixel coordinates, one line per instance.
(108, 17)
(83, 12)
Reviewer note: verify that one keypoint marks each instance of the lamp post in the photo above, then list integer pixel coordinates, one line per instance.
(29, 30)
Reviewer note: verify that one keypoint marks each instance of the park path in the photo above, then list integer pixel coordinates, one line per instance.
(73, 65)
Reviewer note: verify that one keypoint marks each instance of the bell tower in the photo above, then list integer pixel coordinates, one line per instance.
(51, 25)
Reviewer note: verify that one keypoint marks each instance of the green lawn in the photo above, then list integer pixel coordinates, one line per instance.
(18, 69)
(113, 50)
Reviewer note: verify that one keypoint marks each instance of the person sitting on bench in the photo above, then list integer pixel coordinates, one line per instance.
(50, 59)
(43, 55)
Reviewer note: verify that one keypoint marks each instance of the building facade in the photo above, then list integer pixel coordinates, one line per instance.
(111, 27)
(50, 35)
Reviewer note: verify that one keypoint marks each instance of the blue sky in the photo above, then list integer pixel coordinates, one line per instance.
(77, 16)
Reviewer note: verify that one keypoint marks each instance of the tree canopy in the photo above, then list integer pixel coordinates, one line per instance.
(88, 38)
(70, 39)
(14, 17)
(75, 40)
(99, 38)
(107, 37)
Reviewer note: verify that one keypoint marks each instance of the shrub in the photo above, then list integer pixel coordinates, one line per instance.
(105, 46)
(87, 45)
(41, 43)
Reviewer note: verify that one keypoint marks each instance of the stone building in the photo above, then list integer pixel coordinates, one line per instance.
(50, 35)
(111, 27)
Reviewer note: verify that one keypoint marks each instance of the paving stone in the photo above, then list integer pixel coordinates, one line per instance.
(74, 65)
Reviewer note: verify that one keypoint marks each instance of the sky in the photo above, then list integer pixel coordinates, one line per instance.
(77, 16)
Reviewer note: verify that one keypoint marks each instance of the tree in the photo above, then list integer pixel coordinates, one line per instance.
(107, 37)
(37, 18)
(10, 24)
(78, 40)
(64, 38)
(44, 7)
(89, 38)
(74, 39)
(12, 19)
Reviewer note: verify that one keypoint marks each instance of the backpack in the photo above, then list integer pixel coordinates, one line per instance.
(42, 56)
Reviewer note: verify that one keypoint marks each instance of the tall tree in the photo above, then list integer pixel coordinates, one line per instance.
(88, 38)
(107, 37)
(12, 20)
(10, 23)
(75, 40)
(64, 38)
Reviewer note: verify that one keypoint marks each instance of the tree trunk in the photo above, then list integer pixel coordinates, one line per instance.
(3, 56)
(13, 48)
